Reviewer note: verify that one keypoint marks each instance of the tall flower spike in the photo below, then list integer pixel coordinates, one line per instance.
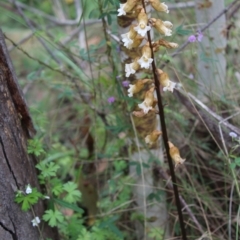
(158, 6)
(128, 37)
(164, 27)
(142, 27)
(137, 87)
(146, 59)
(175, 154)
(148, 102)
(131, 68)
(153, 137)
(126, 7)
(165, 82)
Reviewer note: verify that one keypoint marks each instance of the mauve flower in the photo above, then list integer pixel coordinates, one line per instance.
(192, 38)
(125, 83)
(111, 99)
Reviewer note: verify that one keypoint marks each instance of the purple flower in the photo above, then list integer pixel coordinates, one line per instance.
(199, 36)
(192, 38)
(125, 83)
(111, 99)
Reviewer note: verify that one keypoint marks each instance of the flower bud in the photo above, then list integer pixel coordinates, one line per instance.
(175, 154)
(167, 44)
(153, 137)
(164, 27)
(158, 6)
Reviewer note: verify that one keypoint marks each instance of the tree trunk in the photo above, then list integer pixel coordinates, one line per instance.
(211, 64)
(17, 169)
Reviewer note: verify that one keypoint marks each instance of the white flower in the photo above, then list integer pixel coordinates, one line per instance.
(165, 7)
(145, 62)
(144, 106)
(46, 197)
(127, 40)
(121, 10)
(35, 221)
(141, 29)
(131, 90)
(129, 69)
(28, 189)
(171, 85)
(233, 135)
(148, 140)
(167, 24)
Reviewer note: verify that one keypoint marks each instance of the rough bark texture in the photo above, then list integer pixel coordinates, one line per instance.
(17, 169)
(211, 52)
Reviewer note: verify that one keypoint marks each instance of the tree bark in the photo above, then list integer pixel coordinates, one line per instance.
(17, 168)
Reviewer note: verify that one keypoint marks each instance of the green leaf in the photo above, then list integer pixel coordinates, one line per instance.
(53, 217)
(181, 31)
(237, 161)
(47, 169)
(233, 165)
(35, 147)
(156, 233)
(73, 195)
(68, 205)
(56, 186)
(27, 200)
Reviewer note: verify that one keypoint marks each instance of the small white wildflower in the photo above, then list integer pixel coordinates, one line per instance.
(46, 197)
(35, 221)
(142, 29)
(127, 40)
(131, 90)
(233, 135)
(145, 62)
(170, 87)
(28, 189)
(145, 107)
(129, 69)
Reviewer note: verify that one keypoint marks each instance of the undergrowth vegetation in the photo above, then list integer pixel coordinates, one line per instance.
(67, 55)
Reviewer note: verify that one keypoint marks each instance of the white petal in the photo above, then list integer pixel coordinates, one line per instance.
(144, 107)
(121, 10)
(129, 70)
(130, 90)
(167, 24)
(142, 31)
(127, 41)
(145, 64)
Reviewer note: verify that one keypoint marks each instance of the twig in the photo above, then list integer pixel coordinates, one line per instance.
(33, 29)
(181, 5)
